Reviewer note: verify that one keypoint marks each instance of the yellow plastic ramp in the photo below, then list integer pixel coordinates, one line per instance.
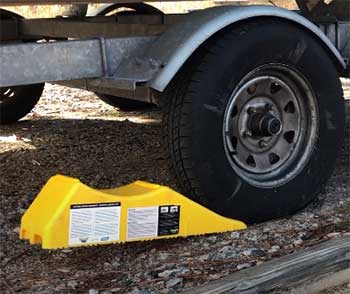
(67, 213)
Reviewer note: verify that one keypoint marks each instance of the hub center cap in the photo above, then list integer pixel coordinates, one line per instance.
(264, 124)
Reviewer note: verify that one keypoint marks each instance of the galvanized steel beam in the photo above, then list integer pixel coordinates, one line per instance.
(87, 28)
(30, 63)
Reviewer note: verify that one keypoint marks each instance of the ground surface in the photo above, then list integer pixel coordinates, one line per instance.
(73, 133)
(342, 289)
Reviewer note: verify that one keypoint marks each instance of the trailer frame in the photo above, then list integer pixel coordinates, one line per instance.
(126, 61)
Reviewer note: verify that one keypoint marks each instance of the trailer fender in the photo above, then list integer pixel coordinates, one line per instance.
(171, 50)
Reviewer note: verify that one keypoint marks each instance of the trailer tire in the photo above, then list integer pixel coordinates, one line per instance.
(140, 8)
(16, 102)
(122, 103)
(250, 83)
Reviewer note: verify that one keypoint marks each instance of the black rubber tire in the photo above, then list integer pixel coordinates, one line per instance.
(6, 14)
(20, 104)
(141, 8)
(24, 97)
(340, 9)
(122, 103)
(193, 134)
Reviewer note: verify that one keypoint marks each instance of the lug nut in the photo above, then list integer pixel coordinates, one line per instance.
(247, 133)
(268, 106)
(251, 110)
(262, 144)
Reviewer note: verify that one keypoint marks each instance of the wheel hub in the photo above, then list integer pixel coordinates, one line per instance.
(265, 125)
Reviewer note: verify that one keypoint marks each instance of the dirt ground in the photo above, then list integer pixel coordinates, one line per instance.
(342, 289)
(73, 133)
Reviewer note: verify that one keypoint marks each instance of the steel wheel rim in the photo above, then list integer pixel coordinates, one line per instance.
(272, 94)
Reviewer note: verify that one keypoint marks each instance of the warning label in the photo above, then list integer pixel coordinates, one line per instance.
(94, 223)
(142, 222)
(148, 222)
(168, 220)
